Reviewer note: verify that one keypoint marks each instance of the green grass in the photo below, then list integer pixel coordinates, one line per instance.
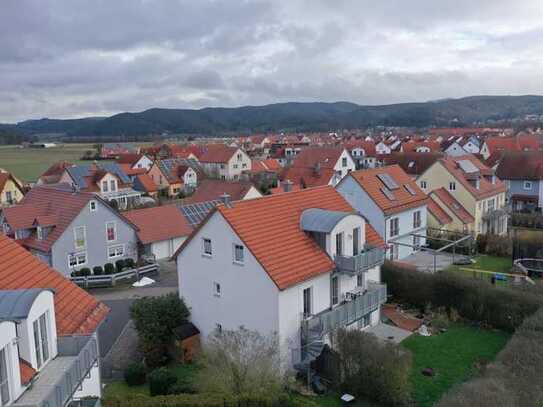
(452, 355)
(333, 400)
(493, 263)
(28, 164)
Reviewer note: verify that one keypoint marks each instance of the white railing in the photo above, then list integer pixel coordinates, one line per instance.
(110, 280)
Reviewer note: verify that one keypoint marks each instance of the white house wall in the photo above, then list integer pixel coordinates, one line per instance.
(252, 193)
(8, 334)
(340, 169)
(406, 227)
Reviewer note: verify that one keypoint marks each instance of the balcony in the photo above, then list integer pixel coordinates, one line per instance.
(346, 313)
(57, 382)
(367, 259)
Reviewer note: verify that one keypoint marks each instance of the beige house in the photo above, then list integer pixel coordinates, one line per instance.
(474, 187)
(11, 190)
(226, 163)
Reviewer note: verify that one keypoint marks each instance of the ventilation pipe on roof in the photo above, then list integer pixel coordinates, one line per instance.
(226, 199)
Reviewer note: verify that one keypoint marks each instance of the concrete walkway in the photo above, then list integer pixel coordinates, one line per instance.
(388, 332)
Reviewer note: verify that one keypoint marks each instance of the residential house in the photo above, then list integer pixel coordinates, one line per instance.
(115, 150)
(412, 163)
(393, 203)
(49, 353)
(522, 172)
(11, 190)
(107, 180)
(474, 186)
(494, 145)
(265, 172)
(213, 189)
(161, 230)
(54, 173)
(453, 148)
(69, 230)
(446, 213)
(424, 146)
(363, 153)
(223, 162)
(145, 184)
(288, 264)
(176, 175)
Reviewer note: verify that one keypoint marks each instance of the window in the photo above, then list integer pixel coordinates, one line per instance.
(207, 246)
(356, 241)
(216, 289)
(335, 290)
(111, 231)
(104, 186)
(115, 251)
(4, 383)
(219, 328)
(394, 227)
(359, 280)
(452, 186)
(344, 162)
(77, 259)
(243, 165)
(416, 219)
(79, 237)
(364, 321)
(491, 204)
(423, 185)
(92, 206)
(39, 233)
(239, 156)
(527, 184)
(393, 254)
(416, 242)
(9, 197)
(307, 302)
(339, 244)
(41, 343)
(113, 185)
(235, 166)
(238, 253)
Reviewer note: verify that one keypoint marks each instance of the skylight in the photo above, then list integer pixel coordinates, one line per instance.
(388, 193)
(388, 181)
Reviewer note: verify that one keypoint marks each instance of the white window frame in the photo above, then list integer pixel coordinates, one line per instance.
(527, 183)
(334, 290)
(217, 289)
(39, 232)
(84, 237)
(417, 222)
(93, 206)
(5, 381)
(77, 256)
(113, 185)
(396, 229)
(105, 186)
(452, 186)
(114, 231)
(42, 342)
(204, 253)
(116, 253)
(235, 248)
(423, 185)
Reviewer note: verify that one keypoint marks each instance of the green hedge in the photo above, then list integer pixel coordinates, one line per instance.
(207, 400)
(501, 307)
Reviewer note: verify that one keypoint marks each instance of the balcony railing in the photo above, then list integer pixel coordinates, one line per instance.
(345, 313)
(363, 261)
(61, 377)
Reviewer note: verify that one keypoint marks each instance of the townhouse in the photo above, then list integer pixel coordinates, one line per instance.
(520, 142)
(11, 189)
(69, 230)
(522, 172)
(54, 173)
(412, 163)
(223, 162)
(363, 153)
(393, 204)
(49, 353)
(289, 264)
(213, 189)
(474, 187)
(114, 150)
(175, 175)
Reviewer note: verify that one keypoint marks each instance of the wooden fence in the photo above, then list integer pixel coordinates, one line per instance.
(110, 280)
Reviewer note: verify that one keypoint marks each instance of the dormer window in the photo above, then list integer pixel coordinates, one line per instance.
(104, 186)
(92, 206)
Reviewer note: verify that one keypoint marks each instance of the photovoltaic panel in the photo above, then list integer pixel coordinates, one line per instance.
(388, 181)
(195, 213)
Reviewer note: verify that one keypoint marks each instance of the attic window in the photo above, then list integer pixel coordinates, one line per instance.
(388, 193)
(411, 164)
(92, 206)
(388, 181)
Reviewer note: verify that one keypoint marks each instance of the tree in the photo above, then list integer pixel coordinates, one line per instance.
(241, 362)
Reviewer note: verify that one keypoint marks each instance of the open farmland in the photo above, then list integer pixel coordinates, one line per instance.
(28, 164)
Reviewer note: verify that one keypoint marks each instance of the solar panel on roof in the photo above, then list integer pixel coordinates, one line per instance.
(410, 189)
(388, 181)
(195, 213)
(388, 193)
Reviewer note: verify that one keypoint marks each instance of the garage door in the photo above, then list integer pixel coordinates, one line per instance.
(161, 250)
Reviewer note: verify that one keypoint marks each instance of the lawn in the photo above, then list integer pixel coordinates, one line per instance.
(452, 355)
(493, 263)
(28, 164)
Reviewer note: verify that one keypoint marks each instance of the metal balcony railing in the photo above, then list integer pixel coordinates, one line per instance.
(345, 313)
(363, 261)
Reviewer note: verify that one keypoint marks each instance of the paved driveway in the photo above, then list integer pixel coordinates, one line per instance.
(115, 322)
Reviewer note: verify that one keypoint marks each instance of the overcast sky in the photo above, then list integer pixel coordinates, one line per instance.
(70, 58)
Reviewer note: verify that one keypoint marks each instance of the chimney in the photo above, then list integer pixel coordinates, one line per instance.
(287, 185)
(226, 200)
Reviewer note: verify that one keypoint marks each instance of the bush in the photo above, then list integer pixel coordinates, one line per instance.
(183, 388)
(372, 368)
(109, 268)
(97, 270)
(129, 263)
(135, 374)
(161, 381)
(85, 272)
(499, 246)
(119, 265)
(481, 242)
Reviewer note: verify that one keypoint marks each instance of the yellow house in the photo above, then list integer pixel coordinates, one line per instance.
(11, 190)
(473, 186)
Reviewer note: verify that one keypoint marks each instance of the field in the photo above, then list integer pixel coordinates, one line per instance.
(452, 355)
(28, 164)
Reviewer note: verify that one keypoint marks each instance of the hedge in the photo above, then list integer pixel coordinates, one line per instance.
(501, 307)
(207, 400)
(161, 381)
(135, 374)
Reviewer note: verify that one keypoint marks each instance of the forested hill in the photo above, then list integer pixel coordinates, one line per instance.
(287, 116)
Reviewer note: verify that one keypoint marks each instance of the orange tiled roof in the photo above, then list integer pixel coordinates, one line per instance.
(370, 182)
(212, 189)
(307, 177)
(326, 157)
(5, 177)
(128, 170)
(437, 211)
(26, 370)
(146, 183)
(270, 228)
(217, 153)
(76, 311)
(159, 223)
(453, 205)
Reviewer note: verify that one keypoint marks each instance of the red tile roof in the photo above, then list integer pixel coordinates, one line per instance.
(53, 174)
(129, 158)
(453, 205)
(27, 371)
(159, 223)
(212, 189)
(146, 182)
(326, 157)
(486, 187)
(412, 163)
(517, 143)
(128, 170)
(521, 165)
(367, 146)
(307, 177)
(268, 165)
(217, 153)
(437, 211)
(370, 182)
(76, 311)
(270, 228)
(412, 146)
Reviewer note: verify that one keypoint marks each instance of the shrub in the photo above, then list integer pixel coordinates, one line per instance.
(135, 374)
(129, 263)
(183, 388)
(109, 268)
(161, 381)
(119, 265)
(499, 246)
(480, 242)
(85, 272)
(97, 270)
